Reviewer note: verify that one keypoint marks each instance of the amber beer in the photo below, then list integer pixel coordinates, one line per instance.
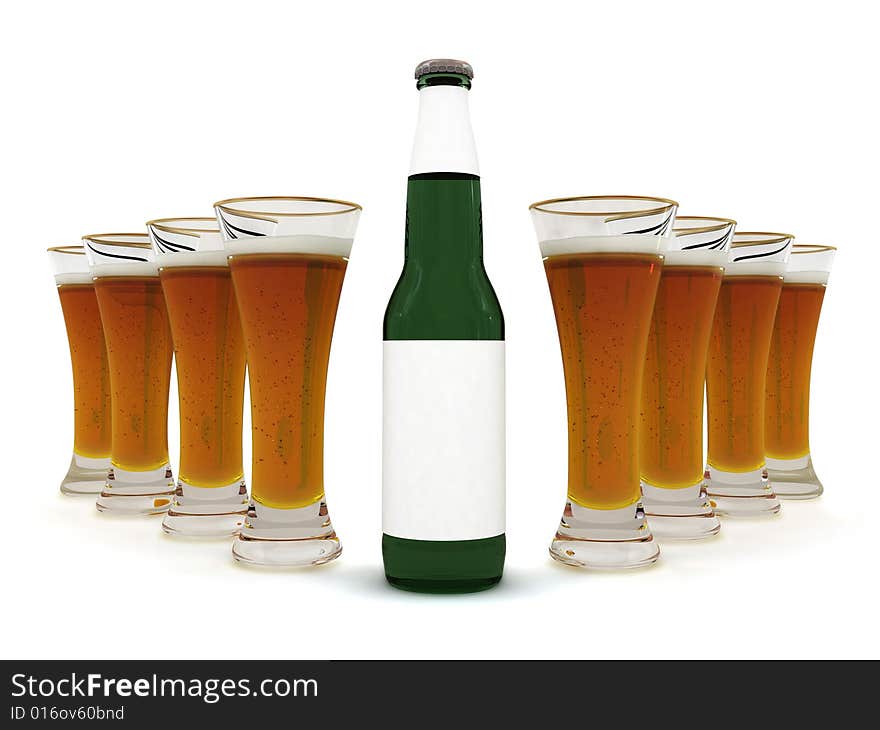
(287, 256)
(787, 414)
(603, 257)
(91, 382)
(736, 374)
(786, 418)
(90, 461)
(737, 371)
(603, 304)
(209, 347)
(671, 437)
(671, 434)
(288, 307)
(139, 351)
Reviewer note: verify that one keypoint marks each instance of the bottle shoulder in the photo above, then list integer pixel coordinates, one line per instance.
(444, 291)
(426, 306)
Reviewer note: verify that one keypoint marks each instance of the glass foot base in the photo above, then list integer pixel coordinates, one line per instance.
(680, 514)
(794, 478)
(742, 494)
(85, 476)
(604, 539)
(287, 537)
(206, 511)
(137, 492)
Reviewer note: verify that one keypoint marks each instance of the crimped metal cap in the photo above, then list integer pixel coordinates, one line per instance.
(444, 65)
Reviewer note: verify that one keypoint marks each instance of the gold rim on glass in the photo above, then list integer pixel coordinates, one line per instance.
(765, 238)
(70, 249)
(610, 215)
(102, 238)
(228, 203)
(722, 224)
(802, 248)
(164, 224)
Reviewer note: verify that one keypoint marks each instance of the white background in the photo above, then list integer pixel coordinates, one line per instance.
(114, 113)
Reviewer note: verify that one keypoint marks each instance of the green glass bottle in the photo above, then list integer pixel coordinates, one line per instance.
(443, 485)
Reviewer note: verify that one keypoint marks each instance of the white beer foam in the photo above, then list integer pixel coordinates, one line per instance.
(694, 257)
(805, 277)
(766, 254)
(754, 268)
(301, 243)
(132, 268)
(192, 258)
(77, 277)
(630, 243)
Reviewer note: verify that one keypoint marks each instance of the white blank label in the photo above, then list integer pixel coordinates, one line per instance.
(443, 447)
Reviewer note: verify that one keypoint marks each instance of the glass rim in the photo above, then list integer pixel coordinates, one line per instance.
(807, 248)
(666, 204)
(765, 237)
(104, 239)
(722, 223)
(228, 204)
(71, 248)
(165, 224)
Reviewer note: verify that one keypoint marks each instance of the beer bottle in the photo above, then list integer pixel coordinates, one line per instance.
(443, 428)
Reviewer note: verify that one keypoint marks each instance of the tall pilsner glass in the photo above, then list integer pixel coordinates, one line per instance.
(671, 435)
(288, 257)
(602, 257)
(787, 414)
(139, 353)
(736, 374)
(211, 498)
(90, 461)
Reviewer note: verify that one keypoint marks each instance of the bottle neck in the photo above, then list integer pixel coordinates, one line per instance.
(444, 140)
(444, 231)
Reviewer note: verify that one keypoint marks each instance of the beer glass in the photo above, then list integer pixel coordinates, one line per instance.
(602, 257)
(288, 257)
(671, 434)
(787, 412)
(139, 354)
(90, 461)
(211, 498)
(736, 374)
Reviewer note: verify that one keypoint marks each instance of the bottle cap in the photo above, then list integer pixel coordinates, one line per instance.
(444, 65)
